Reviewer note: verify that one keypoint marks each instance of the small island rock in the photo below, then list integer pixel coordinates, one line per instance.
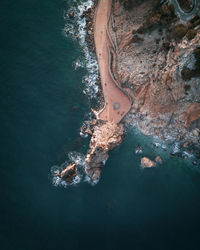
(68, 173)
(147, 163)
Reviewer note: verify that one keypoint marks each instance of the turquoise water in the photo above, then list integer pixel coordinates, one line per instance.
(42, 109)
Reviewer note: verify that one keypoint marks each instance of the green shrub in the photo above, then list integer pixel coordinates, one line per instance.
(166, 46)
(197, 63)
(129, 4)
(187, 87)
(197, 53)
(186, 73)
(194, 19)
(179, 31)
(191, 34)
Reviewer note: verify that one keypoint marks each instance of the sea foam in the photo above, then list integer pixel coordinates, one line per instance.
(76, 29)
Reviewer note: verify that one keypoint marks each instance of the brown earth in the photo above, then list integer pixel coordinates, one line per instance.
(117, 104)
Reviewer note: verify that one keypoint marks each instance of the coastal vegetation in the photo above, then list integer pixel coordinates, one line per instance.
(179, 31)
(187, 73)
(129, 4)
(186, 5)
(161, 16)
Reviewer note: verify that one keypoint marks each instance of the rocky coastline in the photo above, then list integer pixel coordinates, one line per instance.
(158, 64)
(155, 50)
(89, 16)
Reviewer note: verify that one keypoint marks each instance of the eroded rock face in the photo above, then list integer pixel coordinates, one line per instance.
(106, 136)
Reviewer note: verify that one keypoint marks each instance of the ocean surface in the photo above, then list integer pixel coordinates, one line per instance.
(44, 102)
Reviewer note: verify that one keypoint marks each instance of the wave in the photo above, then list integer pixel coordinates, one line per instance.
(76, 29)
(79, 160)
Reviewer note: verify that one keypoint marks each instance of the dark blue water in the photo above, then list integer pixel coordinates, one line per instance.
(42, 108)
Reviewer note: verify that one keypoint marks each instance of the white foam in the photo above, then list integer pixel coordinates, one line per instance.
(188, 155)
(77, 31)
(77, 158)
(176, 148)
(90, 181)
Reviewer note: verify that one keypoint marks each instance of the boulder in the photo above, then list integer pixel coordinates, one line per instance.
(147, 163)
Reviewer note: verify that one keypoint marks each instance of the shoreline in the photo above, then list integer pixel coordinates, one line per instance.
(115, 103)
(108, 129)
(163, 135)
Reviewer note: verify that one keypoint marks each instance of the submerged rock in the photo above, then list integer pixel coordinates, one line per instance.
(106, 136)
(147, 163)
(158, 159)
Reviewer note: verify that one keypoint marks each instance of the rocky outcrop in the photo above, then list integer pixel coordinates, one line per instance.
(106, 136)
(68, 174)
(147, 163)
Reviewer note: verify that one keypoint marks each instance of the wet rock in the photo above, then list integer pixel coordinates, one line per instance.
(138, 150)
(68, 174)
(71, 14)
(191, 34)
(83, 129)
(147, 163)
(158, 159)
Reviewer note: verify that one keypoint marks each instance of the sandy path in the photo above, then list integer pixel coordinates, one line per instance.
(117, 104)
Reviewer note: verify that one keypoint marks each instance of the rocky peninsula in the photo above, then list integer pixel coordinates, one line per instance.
(148, 53)
(157, 63)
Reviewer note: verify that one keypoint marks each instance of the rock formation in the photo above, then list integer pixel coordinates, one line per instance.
(147, 163)
(68, 174)
(158, 63)
(105, 137)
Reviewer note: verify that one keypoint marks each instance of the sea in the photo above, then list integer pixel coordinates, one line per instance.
(47, 87)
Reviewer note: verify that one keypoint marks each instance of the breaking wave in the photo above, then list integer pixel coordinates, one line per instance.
(79, 160)
(75, 28)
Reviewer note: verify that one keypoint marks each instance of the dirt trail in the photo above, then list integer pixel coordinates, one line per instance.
(117, 104)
